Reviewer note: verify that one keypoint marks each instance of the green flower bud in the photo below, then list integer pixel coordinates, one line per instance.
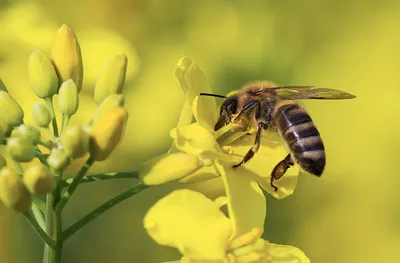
(111, 102)
(10, 111)
(169, 167)
(27, 131)
(4, 125)
(3, 161)
(13, 192)
(111, 79)
(75, 141)
(58, 159)
(21, 149)
(42, 75)
(38, 179)
(2, 86)
(68, 99)
(106, 132)
(66, 56)
(41, 115)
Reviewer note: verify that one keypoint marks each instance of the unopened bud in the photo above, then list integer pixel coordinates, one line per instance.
(41, 115)
(68, 100)
(42, 75)
(66, 56)
(21, 149)
(106, 132)
(10, 111)
(111, 79)
(58, 159)
(4, 125)
(38, 179)
(169, 167)
(2, 86)
(13, 192)
(27, 131)
(108, 104)
(75, 141)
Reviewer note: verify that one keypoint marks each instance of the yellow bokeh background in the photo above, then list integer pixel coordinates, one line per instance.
(351, 214)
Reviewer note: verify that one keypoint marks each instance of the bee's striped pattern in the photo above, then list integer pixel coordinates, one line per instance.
(301, 137)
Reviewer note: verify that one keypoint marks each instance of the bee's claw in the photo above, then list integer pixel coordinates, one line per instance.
(236, 165)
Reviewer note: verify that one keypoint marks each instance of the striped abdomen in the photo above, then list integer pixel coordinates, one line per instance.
(302, 137)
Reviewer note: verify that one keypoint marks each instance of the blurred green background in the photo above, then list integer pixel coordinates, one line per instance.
(351, 214)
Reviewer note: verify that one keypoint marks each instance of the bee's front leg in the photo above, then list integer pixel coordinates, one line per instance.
(261, 126)
(280, 169)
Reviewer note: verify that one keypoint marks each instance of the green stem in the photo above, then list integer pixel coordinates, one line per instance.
(37, 213)
(74, 184)
(65, 121)
(49, 104)
(101, 209)
(102, 177)
(39, 203)
(48, 144)
(46, 239)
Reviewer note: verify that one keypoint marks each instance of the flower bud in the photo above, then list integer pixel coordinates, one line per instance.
(27, 131)
(75, 141)
(38, 179)
(21, 149)
(4, 125)
(106, 132)
(10, 111)
(42, 75)
(111, 79)
(13, 192)
(41, 115)
(2, 86)
(66, 56)
(58, 159)
(169, 167)
(68, 100)
(108, 104)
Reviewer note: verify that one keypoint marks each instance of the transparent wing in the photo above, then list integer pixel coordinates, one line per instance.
(310, 92)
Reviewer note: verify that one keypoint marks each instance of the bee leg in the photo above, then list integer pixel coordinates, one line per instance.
(261, 126)
(246, 107)
(280, 169)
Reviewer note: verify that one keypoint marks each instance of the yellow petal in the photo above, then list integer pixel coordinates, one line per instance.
(195, 139)
(271, 152)
(286, 254)
(247, 206)
(190, 222)
(193, 82)
(169, 167)
(203, 174)
(204, 112)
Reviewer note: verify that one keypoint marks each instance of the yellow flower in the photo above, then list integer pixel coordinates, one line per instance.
(228, 145)
(195, 225)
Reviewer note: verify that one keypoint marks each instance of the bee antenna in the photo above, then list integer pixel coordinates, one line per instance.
(213, 95)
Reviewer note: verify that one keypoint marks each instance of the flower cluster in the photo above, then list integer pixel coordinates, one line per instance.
(49, 152)
(192, 222)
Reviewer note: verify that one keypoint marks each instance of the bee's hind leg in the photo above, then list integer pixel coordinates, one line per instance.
(261, 126)
(280, 169)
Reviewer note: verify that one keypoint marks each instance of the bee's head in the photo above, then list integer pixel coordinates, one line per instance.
(228, 107)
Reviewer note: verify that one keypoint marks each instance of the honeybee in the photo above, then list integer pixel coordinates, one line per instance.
(263, 105)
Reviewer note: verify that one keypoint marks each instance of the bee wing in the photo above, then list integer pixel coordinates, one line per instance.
(310, 92)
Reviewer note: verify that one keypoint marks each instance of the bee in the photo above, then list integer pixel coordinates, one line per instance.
(263, 105)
